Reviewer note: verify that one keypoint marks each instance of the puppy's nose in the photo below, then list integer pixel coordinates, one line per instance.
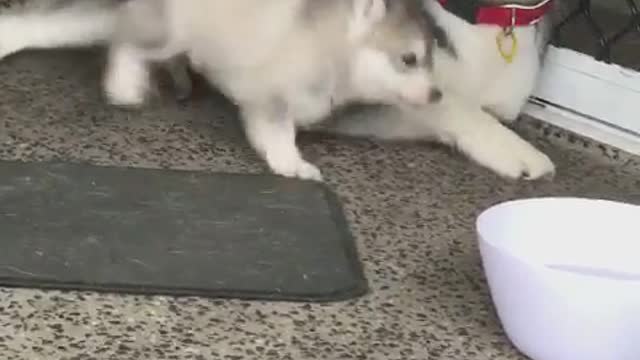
(435, 95)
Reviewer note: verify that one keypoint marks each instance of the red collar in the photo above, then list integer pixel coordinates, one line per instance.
(503, 15)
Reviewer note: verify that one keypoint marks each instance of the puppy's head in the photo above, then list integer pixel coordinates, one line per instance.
(392, 58)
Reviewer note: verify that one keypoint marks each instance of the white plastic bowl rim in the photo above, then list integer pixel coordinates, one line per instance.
(486, 217)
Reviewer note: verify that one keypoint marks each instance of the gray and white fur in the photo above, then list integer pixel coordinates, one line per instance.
(36, 24)
(285, 63)
(483, 92)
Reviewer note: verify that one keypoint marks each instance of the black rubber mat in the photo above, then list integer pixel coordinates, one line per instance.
(81, 227)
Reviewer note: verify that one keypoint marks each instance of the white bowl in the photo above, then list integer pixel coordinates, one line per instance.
(564, 276)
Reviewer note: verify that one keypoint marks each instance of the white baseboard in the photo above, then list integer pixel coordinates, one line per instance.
(584, 126)
(591, 98)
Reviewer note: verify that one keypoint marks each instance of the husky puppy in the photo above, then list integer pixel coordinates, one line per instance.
(285, 63)
(483, 89)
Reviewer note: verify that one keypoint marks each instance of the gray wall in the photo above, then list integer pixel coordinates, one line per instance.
(618, 6)
(614, 5)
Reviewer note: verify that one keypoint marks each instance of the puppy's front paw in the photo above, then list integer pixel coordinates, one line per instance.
(504, 152)
(274, 138)
(294, 168)
(537, 165)
(521, 162)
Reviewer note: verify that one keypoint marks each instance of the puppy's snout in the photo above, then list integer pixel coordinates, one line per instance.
(423, 95)
(435, 95)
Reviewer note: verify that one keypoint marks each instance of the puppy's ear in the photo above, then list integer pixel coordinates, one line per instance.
(366, 13)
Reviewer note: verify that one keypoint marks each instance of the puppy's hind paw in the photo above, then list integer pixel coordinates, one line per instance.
(125, 90)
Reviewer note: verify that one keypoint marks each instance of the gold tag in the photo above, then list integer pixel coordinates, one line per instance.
(507, 52)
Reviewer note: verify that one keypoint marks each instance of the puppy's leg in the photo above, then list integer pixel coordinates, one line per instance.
(488, 142)
(472, 131)
(178, 68)
(274, 138)
(137, 42)
(127, 77)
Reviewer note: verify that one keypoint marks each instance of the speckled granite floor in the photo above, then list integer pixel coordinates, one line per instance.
(411, 207)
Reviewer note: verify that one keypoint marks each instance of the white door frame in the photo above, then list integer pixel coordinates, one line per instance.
(591, 98)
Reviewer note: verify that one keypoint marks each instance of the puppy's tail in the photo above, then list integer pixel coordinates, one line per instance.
(56, 24)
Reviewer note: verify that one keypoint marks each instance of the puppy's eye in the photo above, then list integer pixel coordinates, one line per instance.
(410, 59)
